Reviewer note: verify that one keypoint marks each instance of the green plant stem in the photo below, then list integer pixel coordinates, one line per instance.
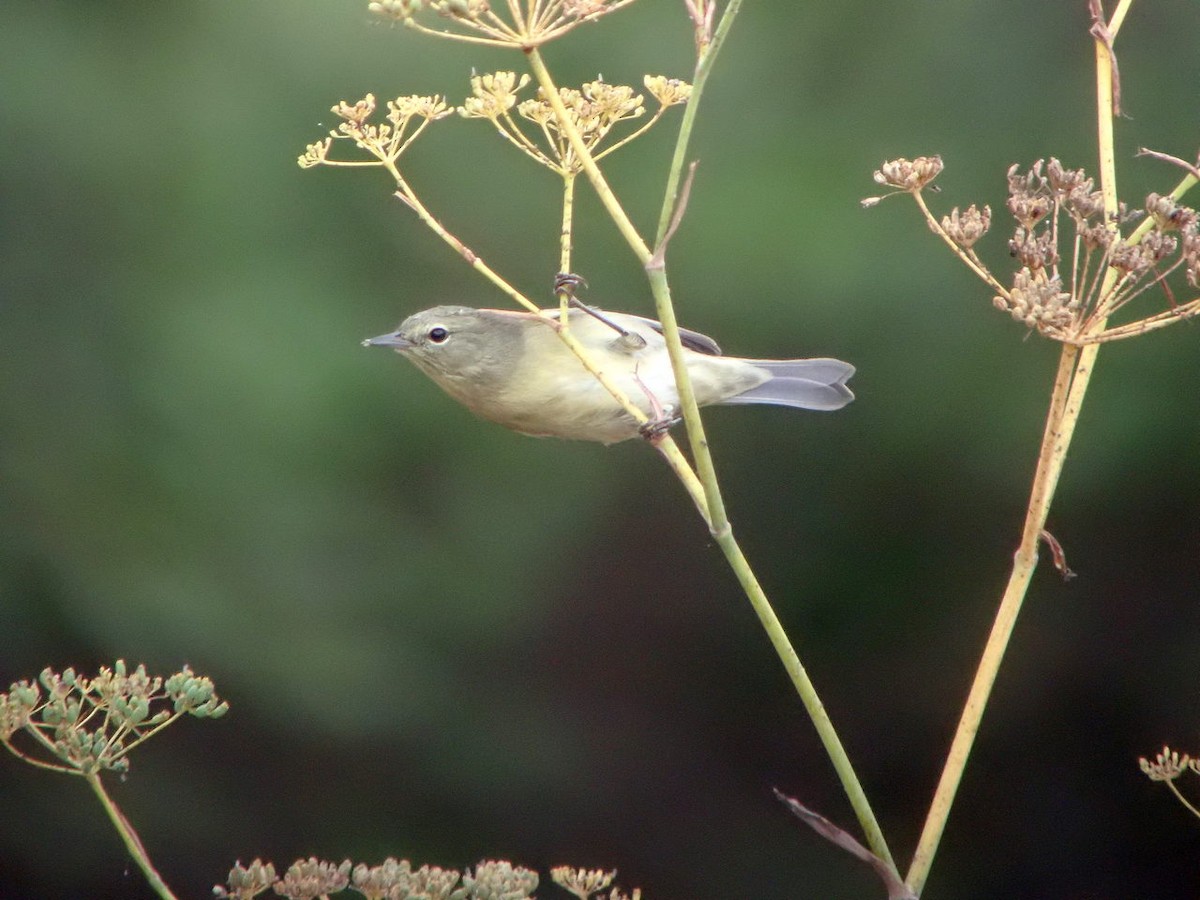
(1075, 368)
(595, 176)
(713, 507)
(568, 211)
(704, 66)
(808, 695)
(132, 842)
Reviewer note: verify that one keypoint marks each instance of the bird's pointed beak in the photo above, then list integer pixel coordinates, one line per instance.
(393, 340)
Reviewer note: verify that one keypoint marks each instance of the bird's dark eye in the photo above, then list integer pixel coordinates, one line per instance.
(438, 334)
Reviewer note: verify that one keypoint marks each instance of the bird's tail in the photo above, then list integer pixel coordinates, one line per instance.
(802, 383)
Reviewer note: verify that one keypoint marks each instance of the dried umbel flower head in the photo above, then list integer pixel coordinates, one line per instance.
(592, 111)
(495, 93)
(355, 113)
(1107, 270)
(386, 141)
(968, 227)
(1063, 181)
(1168, 214)
(1039, 302)
(909, 175)
(667, 91)
(524, 25)
(396, 9)
(1033, 249)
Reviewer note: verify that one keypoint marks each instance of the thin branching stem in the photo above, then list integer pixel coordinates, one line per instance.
(1150, 323)
(1075, 368)
(713, 504)
(969, 258)
(129, 836)
(568, 211)
(1182, 799)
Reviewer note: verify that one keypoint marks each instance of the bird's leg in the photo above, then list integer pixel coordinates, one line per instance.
(564, 287)
(662, 418)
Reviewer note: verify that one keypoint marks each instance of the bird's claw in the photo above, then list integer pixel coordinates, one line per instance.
(566, 283)
(654, 430)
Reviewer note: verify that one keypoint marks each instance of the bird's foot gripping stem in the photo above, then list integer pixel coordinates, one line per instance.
(654, 430)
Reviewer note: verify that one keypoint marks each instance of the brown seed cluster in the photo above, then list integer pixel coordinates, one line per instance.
(1058, 212)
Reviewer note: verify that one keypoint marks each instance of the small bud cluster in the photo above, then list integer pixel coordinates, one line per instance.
(584, 883)
(246, 882)
(308, 879)
(1168, 765)
(91, 724)
(593, 111)
(385, 141)
(1039, 302)
(393, 879)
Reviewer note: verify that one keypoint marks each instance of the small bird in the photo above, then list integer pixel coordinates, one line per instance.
(511, 368)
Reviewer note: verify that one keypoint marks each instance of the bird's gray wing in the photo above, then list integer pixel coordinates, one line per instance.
(693, 340)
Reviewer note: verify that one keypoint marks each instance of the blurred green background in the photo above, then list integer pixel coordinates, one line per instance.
(446, 642)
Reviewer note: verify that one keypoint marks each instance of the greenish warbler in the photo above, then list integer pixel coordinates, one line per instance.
(511, 368)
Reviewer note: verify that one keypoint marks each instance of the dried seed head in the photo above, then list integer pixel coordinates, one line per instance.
(581, 9)
(1029, 182)
(1191, 257)
(1169, 215)
(1028, 208)
(315, 154)
(1097, 237)
(909, 175)
(1034, 250)
(470, 10)
(1063, 181)
(968, 227)
(1130, 259)
(1039, 302)
(396, 9)
(1158, 246)
(1084, 204)
(357, 113)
